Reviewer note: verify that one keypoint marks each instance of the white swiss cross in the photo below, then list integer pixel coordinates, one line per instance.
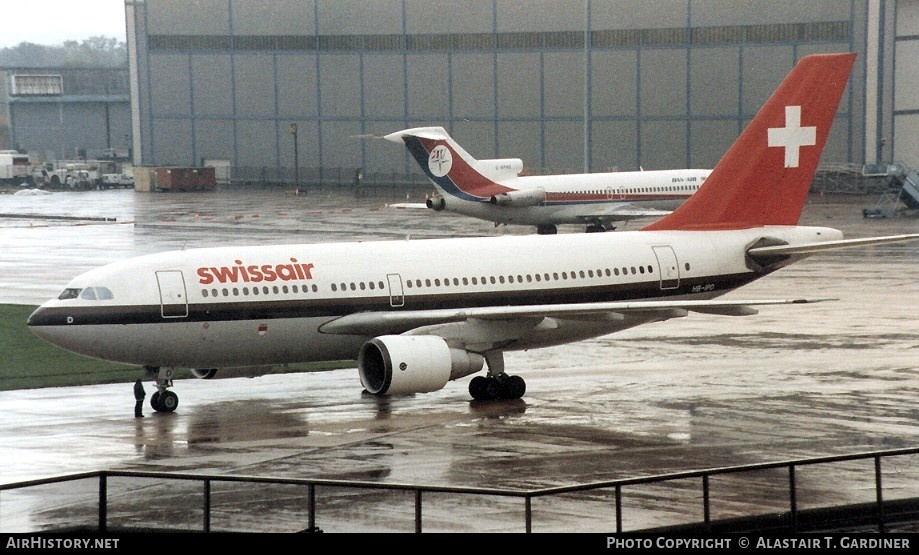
(792, 136)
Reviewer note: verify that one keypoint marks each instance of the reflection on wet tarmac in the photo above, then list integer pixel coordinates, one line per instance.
(698, 392)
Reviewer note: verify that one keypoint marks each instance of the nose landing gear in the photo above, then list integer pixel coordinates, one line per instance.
(163, 400)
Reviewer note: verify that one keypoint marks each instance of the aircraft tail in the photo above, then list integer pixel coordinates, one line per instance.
(765, 176)
(453, 169)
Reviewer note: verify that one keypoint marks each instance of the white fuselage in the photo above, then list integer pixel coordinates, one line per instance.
(261, 305)
(583, 198)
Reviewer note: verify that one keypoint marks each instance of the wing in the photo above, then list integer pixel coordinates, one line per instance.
(408, 205)
(484, 328)
(622, 212)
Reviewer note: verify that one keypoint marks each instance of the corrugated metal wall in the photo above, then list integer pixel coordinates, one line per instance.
(670, 83)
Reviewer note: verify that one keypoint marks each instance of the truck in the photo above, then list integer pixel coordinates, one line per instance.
(124, 179)
(15, 167)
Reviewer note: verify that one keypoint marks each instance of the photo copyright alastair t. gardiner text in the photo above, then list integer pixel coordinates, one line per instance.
(765, 542)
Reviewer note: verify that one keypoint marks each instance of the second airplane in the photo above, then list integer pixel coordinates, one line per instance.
(494, 190)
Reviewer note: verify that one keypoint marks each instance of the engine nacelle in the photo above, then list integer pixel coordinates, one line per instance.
(204, 373)
(401, 364)
(501, 168)
(529, 197)
(232, 371)
(436, 203)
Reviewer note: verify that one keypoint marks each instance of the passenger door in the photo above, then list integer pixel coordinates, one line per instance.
(173, 299)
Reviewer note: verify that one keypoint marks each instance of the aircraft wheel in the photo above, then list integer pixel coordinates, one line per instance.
(494, 389)
(477, 387)
(548, 229)
(155, 401)
(514, 387)
(168, 401)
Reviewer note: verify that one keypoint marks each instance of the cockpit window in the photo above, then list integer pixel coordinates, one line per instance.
(87, 293)
(104, 294)
(97, 293)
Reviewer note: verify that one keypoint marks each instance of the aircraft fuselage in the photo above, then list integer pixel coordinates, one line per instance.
(257, 305)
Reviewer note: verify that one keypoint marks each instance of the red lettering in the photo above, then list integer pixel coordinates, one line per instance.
(255, 273)
(224, 274)
(268, 272)
(206, 277)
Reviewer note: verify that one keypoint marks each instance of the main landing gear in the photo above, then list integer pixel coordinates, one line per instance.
(162, 399)
(497, 385)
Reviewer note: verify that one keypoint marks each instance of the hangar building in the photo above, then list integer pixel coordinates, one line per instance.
(565, 85)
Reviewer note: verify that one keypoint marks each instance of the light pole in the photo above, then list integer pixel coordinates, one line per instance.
(293, 131)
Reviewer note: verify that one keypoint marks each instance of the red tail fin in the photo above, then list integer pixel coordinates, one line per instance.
(765, 176)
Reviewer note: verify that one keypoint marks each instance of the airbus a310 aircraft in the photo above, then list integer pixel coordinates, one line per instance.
(416, 314)
(493, 190)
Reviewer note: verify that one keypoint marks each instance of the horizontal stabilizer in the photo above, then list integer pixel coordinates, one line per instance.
(432, 133)
(813, 248)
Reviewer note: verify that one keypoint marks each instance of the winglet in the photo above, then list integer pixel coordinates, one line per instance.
(765, 176)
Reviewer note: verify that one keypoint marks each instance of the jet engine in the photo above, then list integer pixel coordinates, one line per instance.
(531, 197)
(436, 203)
(232, 371)
(402, 364)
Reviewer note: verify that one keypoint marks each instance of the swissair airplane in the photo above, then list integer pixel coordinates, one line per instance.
(493, 190)
(416, 314)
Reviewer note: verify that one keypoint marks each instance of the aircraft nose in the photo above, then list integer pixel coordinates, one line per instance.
(44, 322)
(38, 318)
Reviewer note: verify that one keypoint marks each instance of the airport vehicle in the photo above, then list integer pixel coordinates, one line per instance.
(124, 179)
(416, 314)
(494, 190)
(15, 167)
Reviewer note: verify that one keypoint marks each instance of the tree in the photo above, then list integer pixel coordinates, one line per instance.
(98, 51)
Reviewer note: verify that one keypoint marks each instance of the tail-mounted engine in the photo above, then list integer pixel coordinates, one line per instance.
(436, 203)
(402, 364)
(530, 197)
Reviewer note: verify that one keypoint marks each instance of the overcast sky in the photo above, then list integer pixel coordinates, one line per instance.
(51, 22)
